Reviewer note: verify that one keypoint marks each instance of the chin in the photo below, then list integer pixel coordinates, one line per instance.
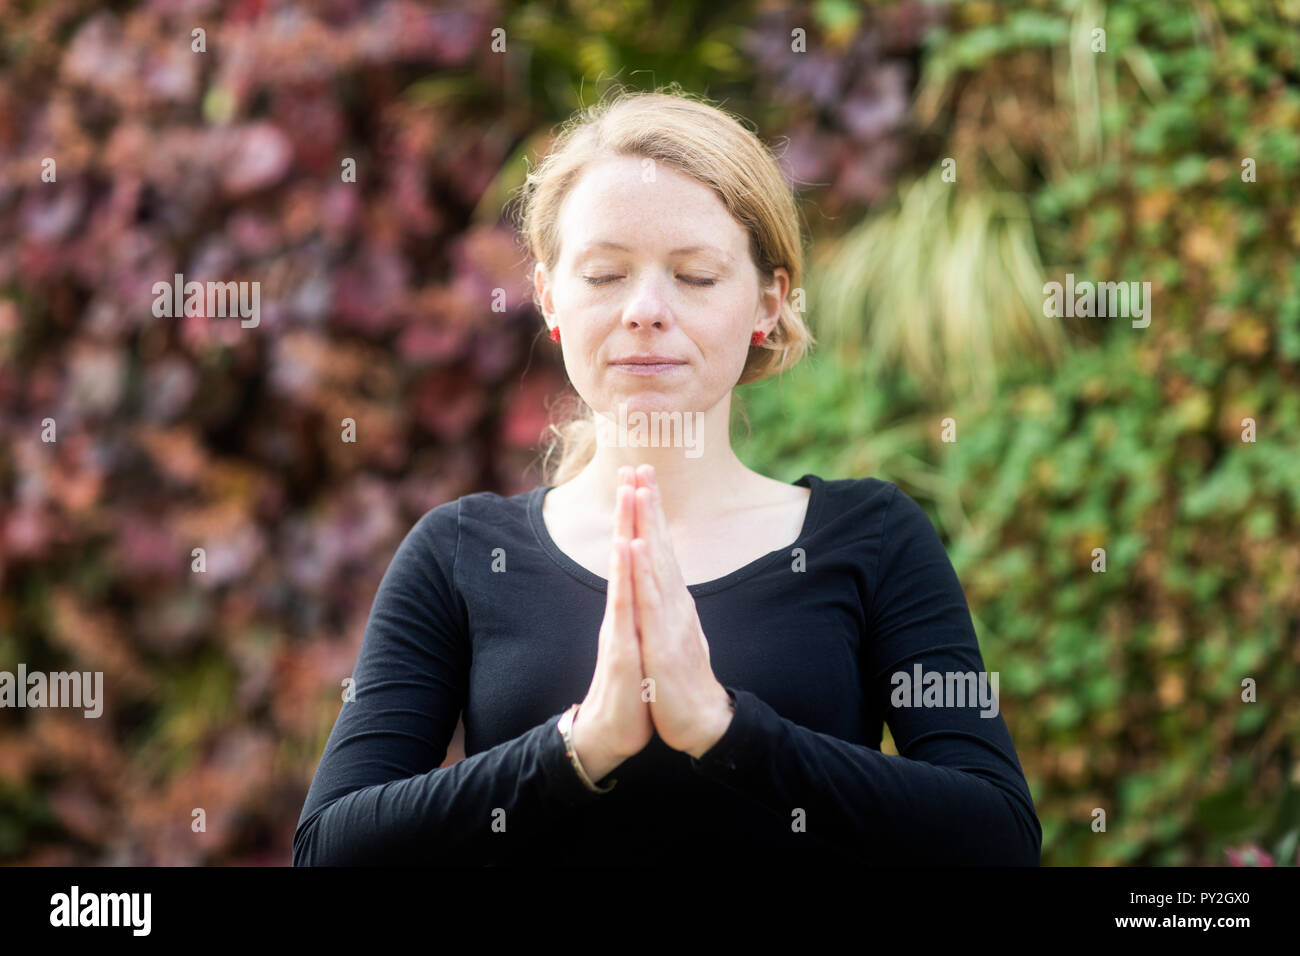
(645, 401)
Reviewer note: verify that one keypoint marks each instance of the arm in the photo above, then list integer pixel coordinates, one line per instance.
(378, 796)
(956, 794)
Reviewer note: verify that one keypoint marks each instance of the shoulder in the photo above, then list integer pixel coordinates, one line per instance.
(439, 538)
(481, 510)
(876, 513)
(438, 523)
(875, 496)
(860, 504)
(870, 493)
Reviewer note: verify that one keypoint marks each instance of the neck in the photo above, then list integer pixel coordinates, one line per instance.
(695, 467)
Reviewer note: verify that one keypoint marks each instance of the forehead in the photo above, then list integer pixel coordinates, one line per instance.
(610, 245)
(618, 206)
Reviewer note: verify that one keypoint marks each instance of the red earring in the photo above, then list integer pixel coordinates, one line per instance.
(757, 338)
(555, 333)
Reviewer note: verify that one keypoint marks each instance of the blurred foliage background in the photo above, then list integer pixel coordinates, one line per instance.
(1122, 689)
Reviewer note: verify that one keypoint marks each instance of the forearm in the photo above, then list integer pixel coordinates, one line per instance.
(876, 806)
(447, 815)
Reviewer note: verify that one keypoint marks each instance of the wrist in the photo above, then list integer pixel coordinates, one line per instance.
(717, 725)
(588, 740)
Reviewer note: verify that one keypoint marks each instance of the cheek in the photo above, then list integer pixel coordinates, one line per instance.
(732, 341)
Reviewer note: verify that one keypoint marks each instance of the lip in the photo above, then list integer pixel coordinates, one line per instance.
(634, 368)
(647, 364)
(647, 358)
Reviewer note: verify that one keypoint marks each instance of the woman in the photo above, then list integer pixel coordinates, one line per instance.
(665, 656)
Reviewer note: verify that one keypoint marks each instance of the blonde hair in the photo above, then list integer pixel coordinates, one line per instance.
(713, 147)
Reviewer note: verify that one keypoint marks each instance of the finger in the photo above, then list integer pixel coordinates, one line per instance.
(648, 530)
(625, 528)
(644, 528)
(655, 534)
(622, 594)
(629, 478)
(624, 504)
(660, 518)
(646, 478)
(625, 512)
(646, 596)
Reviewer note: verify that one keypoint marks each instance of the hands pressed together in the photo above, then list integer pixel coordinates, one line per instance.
(652, 659)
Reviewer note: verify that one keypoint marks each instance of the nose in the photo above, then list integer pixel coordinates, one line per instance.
(648, 306)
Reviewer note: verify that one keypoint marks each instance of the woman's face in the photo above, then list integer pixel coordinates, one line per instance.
(651, 263)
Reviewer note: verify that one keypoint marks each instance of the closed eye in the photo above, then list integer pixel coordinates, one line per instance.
(603, 280)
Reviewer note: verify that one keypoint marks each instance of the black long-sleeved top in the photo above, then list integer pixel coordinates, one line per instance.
(480, 612)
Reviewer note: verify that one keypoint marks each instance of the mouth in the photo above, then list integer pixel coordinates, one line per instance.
(647, 368)
(647, 364)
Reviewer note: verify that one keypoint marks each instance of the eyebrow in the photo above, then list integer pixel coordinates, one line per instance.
(607, 244)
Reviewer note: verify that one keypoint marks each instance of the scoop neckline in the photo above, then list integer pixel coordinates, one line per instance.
(812, 482)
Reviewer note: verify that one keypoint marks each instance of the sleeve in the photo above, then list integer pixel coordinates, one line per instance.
(955, 794)
(379, 796)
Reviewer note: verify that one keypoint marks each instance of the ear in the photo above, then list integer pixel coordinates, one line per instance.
(771, 298)
(542, 286)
